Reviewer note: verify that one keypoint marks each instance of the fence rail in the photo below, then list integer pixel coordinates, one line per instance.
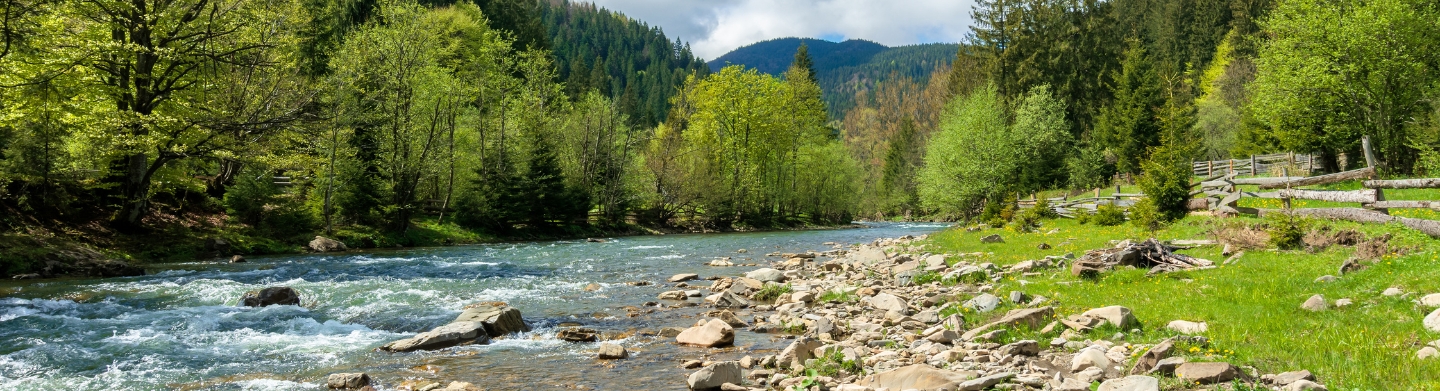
(1255, 165)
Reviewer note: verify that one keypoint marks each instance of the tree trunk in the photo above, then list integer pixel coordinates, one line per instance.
(229, 168)
(134, 191)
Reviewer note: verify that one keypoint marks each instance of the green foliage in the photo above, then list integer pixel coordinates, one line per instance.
(838, 297)
(1287, 230)
(926, 277)
(833, 363)
(772, 291)
(977, 155)
(1335, 71)
(1108, 215)
(1127, 128)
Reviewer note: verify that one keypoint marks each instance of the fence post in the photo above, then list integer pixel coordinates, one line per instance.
(1369, 154)
(1209, 168)
(1253, 167)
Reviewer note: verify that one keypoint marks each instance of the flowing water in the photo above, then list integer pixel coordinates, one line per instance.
(180, 328)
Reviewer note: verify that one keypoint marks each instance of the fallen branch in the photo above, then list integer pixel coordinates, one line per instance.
(1359, 196)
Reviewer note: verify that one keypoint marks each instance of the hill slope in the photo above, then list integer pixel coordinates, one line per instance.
(844, 68)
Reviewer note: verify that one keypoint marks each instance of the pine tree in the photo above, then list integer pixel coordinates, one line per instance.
(1127, 128)
(803, 61)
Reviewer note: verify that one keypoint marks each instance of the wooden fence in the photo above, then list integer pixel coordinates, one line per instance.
(1220, 191)
(1256, 165)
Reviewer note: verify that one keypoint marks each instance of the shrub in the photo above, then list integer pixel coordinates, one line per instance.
(772, 291)
(1108, 215)
(1166, 184)
(1287, 230)
(832, 363)
(1146, 215)
(1083, 216)
(838, 297)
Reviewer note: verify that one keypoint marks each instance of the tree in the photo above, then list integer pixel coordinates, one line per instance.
(1127, 127)
(156, 59)
(902, 160)
(803, 61)
(968, 156)
(1336, 71)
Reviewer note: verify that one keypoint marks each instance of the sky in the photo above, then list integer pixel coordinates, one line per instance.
(715, 27)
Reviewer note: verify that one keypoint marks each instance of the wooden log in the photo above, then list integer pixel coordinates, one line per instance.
(1423, 183)
(1207, 179)
(1359, 196)
(1128, 195)
(1369, 153)
(1250, 181)
(1360, 215)
(1405, 205)
(1366, 172)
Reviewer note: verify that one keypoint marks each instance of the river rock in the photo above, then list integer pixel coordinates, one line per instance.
(610, 351)
(499, 319)
(1304, 385)
(237, 258)
(1432, 321)
(1131, 383)
(1115, 315)
(1207, 372)
(347, 381)
(713, 334)
(992, 239)
(985, 382)
(1431, 300)
(869, 255)
(684, 277)
(1152, 357)
(1291, 377)
(1089, 357)
(1188, 327)
(453, 334)
(715, 375)
(731, 319)
(1033, 318)
(918, 376)
(983, 303)
(1166, 367)
(767, 275)
(673, 295)
(323, 244)
(275, 295)
(730, 299)
(1315, 303)
(578, 334)
(890, 303)
(802, 297)
(794, 356)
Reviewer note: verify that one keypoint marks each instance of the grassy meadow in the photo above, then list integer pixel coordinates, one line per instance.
(1252, 306)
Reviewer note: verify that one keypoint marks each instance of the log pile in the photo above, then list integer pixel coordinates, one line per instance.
(1150, 254)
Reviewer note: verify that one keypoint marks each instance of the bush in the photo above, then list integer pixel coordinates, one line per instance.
(1287, 230)
(1166, 184)
(838, 297)
(1083, 216)
(1108, 215)
(1146, 215)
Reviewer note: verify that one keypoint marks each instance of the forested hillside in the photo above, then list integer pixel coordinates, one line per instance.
(624, 59)
(145, 129)
(846, 70)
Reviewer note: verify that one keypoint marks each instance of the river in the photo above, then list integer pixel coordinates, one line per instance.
(179, 327)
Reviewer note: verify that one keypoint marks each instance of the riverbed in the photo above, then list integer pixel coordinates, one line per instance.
(179, 327)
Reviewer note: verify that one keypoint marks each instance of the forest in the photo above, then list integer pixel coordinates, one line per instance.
(1051, 94)
(270, 122)
(404, 122)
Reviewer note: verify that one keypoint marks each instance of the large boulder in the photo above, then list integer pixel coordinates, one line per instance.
(1207, 372)
(1116, 315)
(731, 300)
(985, 302)
(1089, 357)
(794, 356)
(275, 295)
(767, 275)
(712, 334)
(1033, 318)
(869, 255)
(499, 319)
(610, 351)
(578, 334)
(347, 381)
(918, 376)
(684, 277)
(890, 303)
(1131, 383)
(323, 244)
(715, 375)
(1432, 321)
(1152, 357)
(453, 334)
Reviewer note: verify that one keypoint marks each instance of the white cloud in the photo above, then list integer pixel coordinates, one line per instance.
(715, 27)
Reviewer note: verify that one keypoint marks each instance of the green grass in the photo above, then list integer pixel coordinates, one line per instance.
(772, 291)
(1252, 307)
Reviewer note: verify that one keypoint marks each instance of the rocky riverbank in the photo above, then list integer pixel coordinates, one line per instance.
(886, 316)
(889, 316)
